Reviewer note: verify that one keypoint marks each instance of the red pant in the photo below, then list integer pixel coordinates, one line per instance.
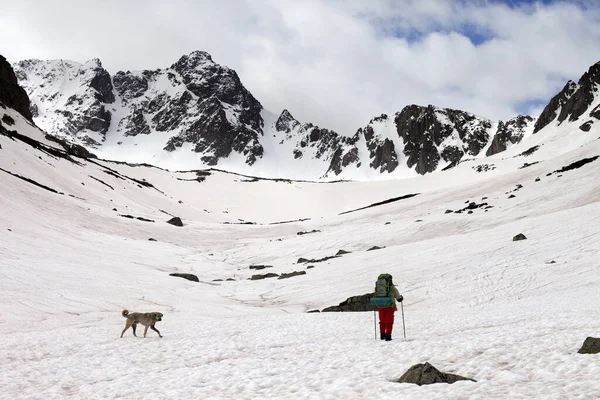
(386, 320)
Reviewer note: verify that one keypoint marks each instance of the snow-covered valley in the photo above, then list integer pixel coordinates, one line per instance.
(509, 314)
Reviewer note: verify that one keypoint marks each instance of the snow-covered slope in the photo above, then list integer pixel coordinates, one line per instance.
(75, 250)
(197, 113)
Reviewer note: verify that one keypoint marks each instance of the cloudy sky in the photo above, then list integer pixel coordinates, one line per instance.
(336, 63)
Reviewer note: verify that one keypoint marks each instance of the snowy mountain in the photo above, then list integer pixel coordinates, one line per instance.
(197, 113)
(83, 238)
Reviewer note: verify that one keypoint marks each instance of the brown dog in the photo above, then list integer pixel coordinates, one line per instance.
(146, 319)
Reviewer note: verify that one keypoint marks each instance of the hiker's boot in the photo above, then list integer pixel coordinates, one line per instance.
(388, 337)
(382, 336)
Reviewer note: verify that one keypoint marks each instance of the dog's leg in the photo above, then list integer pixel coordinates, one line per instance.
(155, 330)
(145, 330)
(127, 325)
(133, 326)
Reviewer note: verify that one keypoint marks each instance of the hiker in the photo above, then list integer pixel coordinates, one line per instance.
(385, 297)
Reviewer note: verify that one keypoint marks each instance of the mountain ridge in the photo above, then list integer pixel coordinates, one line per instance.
(197, 113)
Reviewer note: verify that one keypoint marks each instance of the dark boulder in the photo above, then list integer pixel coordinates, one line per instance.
(175, 221)
(518, 237)
(591, 345)
(8, 120)
(426, 374)
(586, 126)
(342, 252)
(189, 277)
(353, 304)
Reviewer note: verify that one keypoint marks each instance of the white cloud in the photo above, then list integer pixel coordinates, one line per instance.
(332, 62)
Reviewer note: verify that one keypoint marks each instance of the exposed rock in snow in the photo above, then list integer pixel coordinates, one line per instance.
(11, 94)
(509, 132)
(591, 345)
(426, 374)
(573, 100)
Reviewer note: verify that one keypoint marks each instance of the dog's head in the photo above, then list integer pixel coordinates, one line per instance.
(157, 316)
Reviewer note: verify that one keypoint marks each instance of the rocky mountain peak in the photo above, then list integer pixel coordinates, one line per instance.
(11, 94)
(573, 100)
(286, 122)
(195, 60)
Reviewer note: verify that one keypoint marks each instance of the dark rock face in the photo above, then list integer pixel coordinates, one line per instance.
(189, 277)
(201, 102)
(510, 131)
(11, 94)
(354, 303)
(591, 345)
(219, 93)
(321, 144)
(102, 83)
(130, 86)
(423, 130)
(550, 112)
(286, 122)
(426, 374)
(175, 221)
(573, 100)
(80, 112)
(382, 152)
(518, 237)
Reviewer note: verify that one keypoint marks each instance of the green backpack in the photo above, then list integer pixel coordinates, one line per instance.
(384, 291)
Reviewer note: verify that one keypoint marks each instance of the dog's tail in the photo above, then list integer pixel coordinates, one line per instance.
(125, 313)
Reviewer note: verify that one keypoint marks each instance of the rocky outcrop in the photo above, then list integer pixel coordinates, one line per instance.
(573, 100)
(519, 237)
(189, 277)
(591, 345)
(427, 374)
(75, 97)
(381, 150)
(11, 94)
(432, 134)
(228, 115)
(175, 221)
(354, 303)
(311, 142)
(509, 132)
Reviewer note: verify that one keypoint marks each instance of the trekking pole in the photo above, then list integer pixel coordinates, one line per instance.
(375, 323)
(403, 326)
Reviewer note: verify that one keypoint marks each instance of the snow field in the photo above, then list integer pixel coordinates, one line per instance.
(477, 303)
